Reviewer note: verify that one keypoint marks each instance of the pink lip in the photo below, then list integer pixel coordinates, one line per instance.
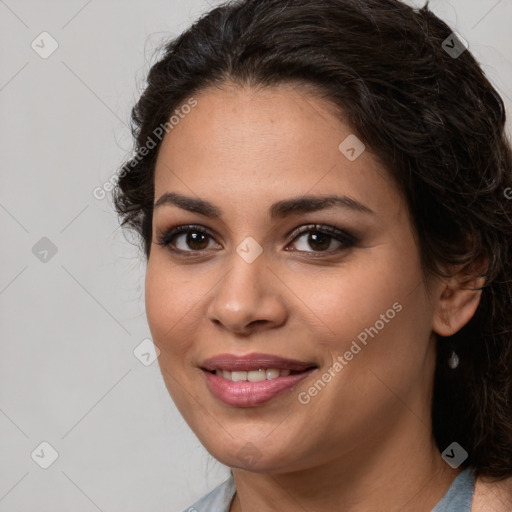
(251, 394)
(254, 361)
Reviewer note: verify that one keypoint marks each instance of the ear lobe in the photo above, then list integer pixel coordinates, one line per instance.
(457, 302)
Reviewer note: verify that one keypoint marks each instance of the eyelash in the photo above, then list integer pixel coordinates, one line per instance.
(346, 240)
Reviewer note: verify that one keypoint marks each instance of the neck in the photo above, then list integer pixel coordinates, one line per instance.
(395, 475)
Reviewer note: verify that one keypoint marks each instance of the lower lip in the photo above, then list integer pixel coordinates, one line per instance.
(251, 394)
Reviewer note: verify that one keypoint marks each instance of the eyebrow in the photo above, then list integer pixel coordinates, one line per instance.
(300, 204)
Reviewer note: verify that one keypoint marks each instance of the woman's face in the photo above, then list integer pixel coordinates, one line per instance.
(263, 284)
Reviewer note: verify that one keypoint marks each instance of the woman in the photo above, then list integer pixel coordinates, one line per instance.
(322, 191)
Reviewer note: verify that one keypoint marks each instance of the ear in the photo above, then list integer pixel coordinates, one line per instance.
(458, 298)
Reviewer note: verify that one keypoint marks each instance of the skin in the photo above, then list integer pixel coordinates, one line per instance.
(364, 441)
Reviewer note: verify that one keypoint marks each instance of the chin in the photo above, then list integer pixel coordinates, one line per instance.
(258, 456)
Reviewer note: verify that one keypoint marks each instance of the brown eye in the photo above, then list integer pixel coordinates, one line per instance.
(196, 241)
(319, 241)
(186, 239)
(321, 238)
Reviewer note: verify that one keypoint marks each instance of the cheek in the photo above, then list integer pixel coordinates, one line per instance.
(156, 300)
(382, 358)
(376, 312)
(344, 302)
(167, 308)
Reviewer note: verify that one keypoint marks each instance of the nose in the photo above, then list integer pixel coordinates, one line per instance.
(248, 298)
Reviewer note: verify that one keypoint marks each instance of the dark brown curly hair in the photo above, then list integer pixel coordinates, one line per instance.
(433, 120)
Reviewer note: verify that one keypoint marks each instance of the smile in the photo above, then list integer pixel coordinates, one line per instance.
(253, 379)
(253, 375)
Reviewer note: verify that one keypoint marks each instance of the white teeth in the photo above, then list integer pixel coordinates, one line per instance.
(272, 373)
(238, 376)
(253, 375)
(256, 375)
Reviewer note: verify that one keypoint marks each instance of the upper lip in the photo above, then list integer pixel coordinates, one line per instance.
(255, 361)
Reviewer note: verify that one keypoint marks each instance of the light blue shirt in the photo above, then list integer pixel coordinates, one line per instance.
(458, 498)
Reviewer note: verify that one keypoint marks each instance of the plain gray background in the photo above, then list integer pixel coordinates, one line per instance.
(71, 319)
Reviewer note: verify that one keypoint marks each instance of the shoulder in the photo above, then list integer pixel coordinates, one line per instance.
(491, 496)
(218, 500)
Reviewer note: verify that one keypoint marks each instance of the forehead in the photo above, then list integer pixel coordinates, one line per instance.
(262, 143)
